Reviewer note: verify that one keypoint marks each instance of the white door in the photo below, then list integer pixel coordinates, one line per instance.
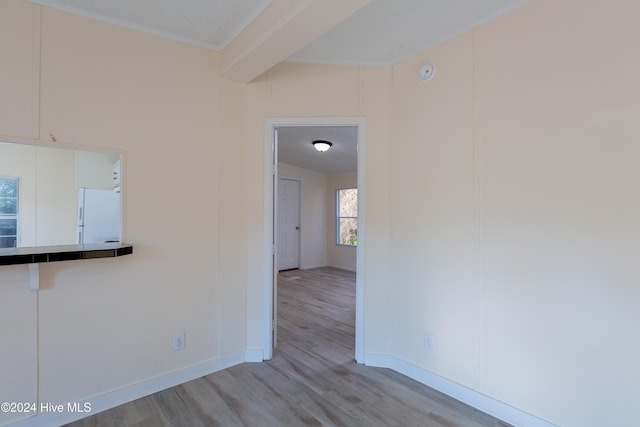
(288, 224)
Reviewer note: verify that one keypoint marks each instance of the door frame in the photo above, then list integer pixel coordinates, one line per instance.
(299, 181)
(269, 260)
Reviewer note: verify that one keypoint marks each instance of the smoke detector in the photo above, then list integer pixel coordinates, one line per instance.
(426, 72)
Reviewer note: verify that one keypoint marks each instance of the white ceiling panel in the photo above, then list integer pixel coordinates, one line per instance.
(208, 23)
(386, 32)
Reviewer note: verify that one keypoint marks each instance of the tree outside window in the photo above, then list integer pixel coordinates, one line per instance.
(8, 212)
(347, 217)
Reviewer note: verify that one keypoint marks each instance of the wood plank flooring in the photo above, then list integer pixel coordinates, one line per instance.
(312, 379)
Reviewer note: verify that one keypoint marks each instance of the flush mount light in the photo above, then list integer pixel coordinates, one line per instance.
(322, 146)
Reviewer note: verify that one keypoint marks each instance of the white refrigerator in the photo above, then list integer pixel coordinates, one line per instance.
(98, 216)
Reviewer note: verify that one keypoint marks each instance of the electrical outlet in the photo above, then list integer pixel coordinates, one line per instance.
(178, 341)
(428, 342)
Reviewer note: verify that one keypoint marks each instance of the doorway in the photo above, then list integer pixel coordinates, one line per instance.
(271, 183)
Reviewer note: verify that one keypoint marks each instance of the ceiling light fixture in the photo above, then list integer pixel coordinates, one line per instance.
(322, 146)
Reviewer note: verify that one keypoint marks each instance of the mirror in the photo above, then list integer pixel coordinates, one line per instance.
(58, 196)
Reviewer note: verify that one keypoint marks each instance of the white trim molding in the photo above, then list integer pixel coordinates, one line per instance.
(484, 403)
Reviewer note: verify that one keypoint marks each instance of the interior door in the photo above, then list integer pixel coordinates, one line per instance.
(288, 224)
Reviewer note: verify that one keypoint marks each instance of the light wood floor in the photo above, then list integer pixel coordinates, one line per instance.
(312, 379)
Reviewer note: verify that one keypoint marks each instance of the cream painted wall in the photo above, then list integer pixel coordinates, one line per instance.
(514, 211)
(339, 256)
(108, 323)
(19, 62)
(110, 87)
(19, 327)
(432, 202)
(295, 90)
(313, 214)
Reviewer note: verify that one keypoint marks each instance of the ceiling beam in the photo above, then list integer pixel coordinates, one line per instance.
(281, 30)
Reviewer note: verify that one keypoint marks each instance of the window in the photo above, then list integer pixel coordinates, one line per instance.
(347, 217)
(8, 212)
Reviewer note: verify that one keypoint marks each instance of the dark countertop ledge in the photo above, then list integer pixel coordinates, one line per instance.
(41, 254)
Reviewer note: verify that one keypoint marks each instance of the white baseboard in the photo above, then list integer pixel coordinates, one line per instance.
(378, 360)
(472, 398)
(253, 355)
(144, 388)
(339, 267)
(311, 267)
(342, 267)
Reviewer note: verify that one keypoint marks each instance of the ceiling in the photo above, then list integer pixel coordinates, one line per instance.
(373, 32)
(295, 148)
(385, 32)
(208, 23)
